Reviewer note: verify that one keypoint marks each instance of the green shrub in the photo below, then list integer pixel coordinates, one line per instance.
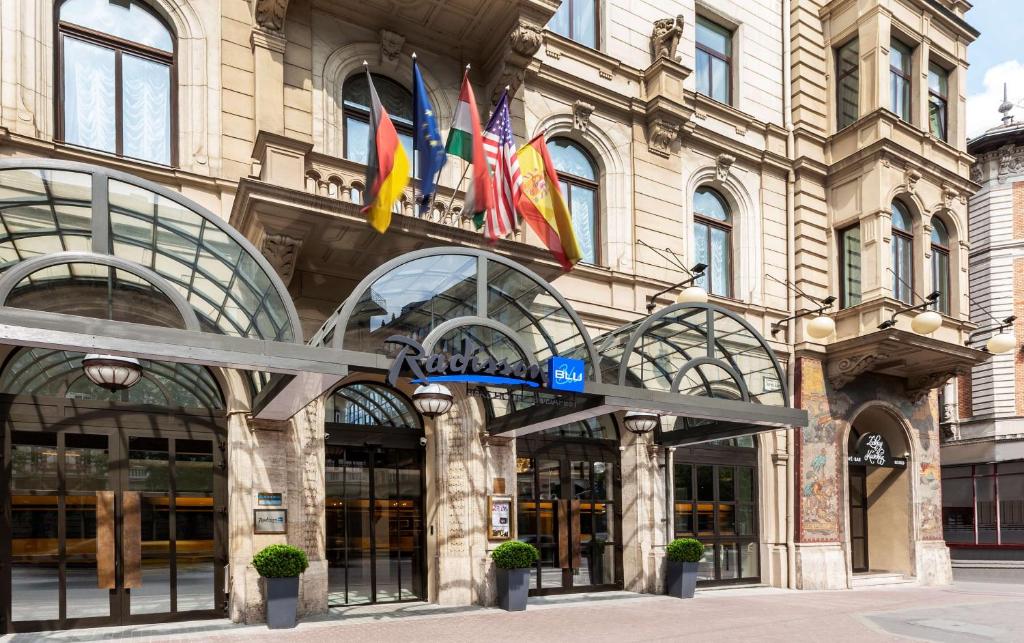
(515, 554)
(685, 550)
(280, 561)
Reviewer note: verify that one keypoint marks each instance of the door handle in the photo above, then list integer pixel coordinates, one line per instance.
(131, 538)
(106, 577)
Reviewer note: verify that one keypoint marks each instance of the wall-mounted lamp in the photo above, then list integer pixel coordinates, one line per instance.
(925, 322)
(1001, 341)
(690, 295)
(819, 327)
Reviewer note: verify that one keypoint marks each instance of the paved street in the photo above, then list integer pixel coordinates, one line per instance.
(986, 606)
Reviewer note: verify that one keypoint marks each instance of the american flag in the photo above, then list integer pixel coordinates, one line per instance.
(499, 148)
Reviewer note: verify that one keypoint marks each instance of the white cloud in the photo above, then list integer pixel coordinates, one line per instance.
(982, 109)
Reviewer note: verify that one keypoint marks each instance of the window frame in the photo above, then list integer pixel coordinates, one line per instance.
(943, 99)
(572, 180)
(727, 59)
(844, 294)
(908, 238)
(944, 303)
(725, 226)
(119, 46)
(597, 25)
(841, 75)
(907, 76)
(364, 115)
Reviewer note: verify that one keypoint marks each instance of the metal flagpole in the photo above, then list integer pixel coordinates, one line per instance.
(465, 170)
(415, 135)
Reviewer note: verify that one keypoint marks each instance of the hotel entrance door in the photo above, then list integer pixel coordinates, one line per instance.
(111, 525)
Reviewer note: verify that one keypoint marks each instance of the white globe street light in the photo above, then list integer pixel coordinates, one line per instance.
(1001, 343)
(821, 327)
(432, 400)
(112, 372)
(692, 295)
(926, 322)
(640, 422)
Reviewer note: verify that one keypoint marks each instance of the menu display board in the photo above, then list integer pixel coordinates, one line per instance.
(500, 527)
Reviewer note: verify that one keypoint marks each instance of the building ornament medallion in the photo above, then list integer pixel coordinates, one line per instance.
(910, 178)
(723, 165)
(581, 112)
(270, 13)
(665, 38)
(282, 252)
(390, 47)
(661, 134)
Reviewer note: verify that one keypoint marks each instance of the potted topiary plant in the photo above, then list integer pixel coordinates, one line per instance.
(514, 560)
(682, 555)
(280, 566)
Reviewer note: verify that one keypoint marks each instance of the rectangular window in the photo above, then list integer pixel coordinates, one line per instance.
(847, 84)
(899, 79)
(577, 20)
(938, 96)
(714, 61)
(940, 273)
(902, 267)
(849, 266)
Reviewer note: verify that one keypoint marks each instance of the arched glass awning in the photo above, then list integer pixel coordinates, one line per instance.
(447, 298)
(107, 235)
(56, 373)
(372, 405)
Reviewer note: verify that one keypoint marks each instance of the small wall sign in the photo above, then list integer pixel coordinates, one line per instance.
(270, 521)
(500, 527)
(872, 450)
(264, 499)
(566, 374)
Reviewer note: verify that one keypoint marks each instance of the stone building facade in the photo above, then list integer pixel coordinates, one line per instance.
(763, 139)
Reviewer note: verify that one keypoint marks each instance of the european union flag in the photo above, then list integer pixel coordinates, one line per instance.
(430, 154)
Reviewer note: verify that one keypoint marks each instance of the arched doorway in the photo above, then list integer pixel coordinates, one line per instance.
(115, 500)
(879, 494)
(569, 499)
(374, 496)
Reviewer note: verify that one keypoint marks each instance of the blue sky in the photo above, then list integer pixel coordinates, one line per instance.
(997, 56)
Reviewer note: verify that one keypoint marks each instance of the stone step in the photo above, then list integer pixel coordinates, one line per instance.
(872, 579)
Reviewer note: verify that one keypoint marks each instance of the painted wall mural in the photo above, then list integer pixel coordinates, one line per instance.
(823, 496)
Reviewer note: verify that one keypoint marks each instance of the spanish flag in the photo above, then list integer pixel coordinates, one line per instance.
(387, 168)
(542, 205)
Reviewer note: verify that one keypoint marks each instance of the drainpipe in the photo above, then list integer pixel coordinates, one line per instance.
(787, 115)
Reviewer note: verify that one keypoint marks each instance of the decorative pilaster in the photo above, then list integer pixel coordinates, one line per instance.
(268, 80)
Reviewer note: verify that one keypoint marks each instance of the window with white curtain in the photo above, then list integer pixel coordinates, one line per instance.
(712, 240)
(902, 253)
(115, 79)
(940, 265)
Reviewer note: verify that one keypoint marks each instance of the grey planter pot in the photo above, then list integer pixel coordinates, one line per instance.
(681, 579)
(282, 596)
(513, 588)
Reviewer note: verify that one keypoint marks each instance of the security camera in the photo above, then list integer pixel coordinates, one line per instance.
(423, 442)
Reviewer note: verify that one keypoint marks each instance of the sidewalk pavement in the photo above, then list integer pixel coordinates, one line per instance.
(964, 612)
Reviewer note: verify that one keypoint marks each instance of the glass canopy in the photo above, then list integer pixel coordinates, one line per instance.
(55, 373)
(454, 297)
(370, 404)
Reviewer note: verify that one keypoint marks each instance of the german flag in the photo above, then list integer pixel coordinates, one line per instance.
(387, 168)
(542, 205)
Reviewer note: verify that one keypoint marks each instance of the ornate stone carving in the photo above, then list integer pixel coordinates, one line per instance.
(524, 41)
(723, 164)
(977, 173)
(270, 13)
(1011, 161)
(665, 37)
(845, 370)
(581, 112)
(390, 46)
(910, 178)
(282, 252)
(919, 387)
(661, 134)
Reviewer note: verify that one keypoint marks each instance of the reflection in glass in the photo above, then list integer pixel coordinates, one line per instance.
(148, 464)
(34, 569)
(194, 554)
(706, 565)
(86, 460)
(728, 561)
(154, 595)
(193, 465)
(33, 460)
(84, 598)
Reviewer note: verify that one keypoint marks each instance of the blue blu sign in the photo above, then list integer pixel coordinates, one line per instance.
(565, 374)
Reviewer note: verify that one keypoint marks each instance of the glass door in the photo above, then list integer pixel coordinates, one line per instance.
(859, 518)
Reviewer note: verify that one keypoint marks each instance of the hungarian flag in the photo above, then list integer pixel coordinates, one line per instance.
(466, 141)
(542, 205)
(387, 168)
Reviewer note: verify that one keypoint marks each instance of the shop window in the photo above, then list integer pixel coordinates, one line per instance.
(983, 504)
(900, 79)
(940, 265)
(714, 61)
(355, 98)
(577, 20)
(115, 78)
(849, 266)
(902, 253)
(938, 101)
(712, 240)
(578, 178)
(847, 84)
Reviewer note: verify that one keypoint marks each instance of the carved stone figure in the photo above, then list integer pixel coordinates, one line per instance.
(581, 112)
(270, 13)
(723, 164)
(390, 46)
(282, 252)
(524, 41)
(660, 136)
(665, 37)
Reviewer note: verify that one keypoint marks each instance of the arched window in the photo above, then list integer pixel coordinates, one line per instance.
(115, 79)
(940, 264)
(902, 253)
(355, 95)
(712, 240)
(577, 176)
